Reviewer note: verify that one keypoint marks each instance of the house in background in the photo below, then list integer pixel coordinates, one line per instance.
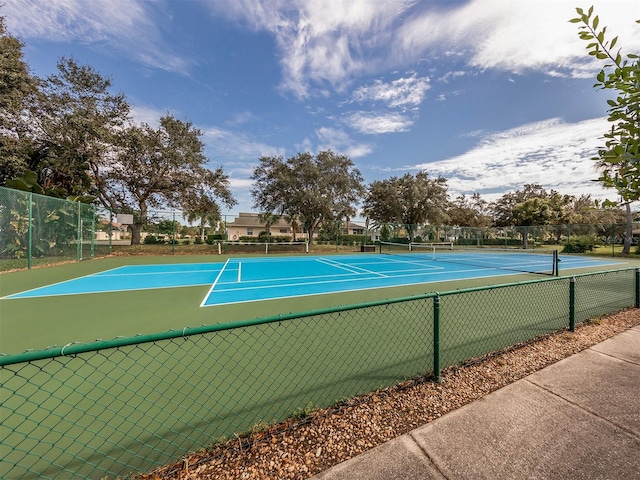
(250, 225)
(353, 228)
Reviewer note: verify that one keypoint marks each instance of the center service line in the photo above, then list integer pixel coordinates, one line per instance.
(215, 282)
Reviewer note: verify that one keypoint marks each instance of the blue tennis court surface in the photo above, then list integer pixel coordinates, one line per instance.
(253, 279)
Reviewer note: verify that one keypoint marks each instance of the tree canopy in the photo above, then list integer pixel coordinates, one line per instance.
(311, 188)
(17, 91)
(156, 167)
(411, 200)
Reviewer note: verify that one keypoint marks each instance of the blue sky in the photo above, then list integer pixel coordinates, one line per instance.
(490, 94)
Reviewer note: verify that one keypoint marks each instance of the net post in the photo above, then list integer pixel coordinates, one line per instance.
(436, 337)
(637, 277)
(572, 304)
(556, 263)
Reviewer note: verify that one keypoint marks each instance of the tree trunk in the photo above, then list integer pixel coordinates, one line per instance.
(629, 231)
(525, 238)
(136, 228)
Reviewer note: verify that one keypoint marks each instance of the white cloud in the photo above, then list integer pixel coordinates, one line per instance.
(552, 153)
(320, 40)
(324, 41)
(375, 123)
(146, 114)
(403, 92)
(340, 142)
(517, 35)
(130, 27)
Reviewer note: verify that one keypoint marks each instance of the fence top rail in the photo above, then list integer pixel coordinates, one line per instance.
(75, 348)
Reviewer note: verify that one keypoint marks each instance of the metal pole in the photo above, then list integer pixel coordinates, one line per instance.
(30, 231)
(79, 237)
(436, 337)
(110, 231)
(572, 304)
(173, 234)
(93, 231)
(637, 287)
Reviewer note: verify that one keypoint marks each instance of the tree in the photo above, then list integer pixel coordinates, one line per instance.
(78, 120)
(203, 207)
(17, 93)
(532, 205)
(619, 159)
(409, 200)
(156, 168)
(313, 189)
(469, 212)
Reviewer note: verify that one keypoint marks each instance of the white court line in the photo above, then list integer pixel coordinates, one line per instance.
(321, 282)
(215, 282)
(348, 268)
(155, 273)
(8, 297)
(286, 279)
(341, 291)
(426, 263)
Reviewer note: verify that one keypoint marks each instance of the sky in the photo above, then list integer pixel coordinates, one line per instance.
(489, 94)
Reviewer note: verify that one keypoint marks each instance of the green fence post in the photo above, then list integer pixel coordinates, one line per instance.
(30, 231)
(79, 235)
(613, 240)
(572, 304)
(173, 234)
(93, 231)
(436, 337)
(637, 287)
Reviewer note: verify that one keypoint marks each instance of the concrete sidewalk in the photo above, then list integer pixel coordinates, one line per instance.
(576, 419)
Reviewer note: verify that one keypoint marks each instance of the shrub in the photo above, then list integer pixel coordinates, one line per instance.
(152, 240)
(580, 244)
(214, 238)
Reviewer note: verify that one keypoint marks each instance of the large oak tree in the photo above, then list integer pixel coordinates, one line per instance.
(411, 200)
(313, 189)
(158, 167)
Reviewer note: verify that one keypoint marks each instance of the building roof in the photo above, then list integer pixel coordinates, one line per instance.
(253, 220)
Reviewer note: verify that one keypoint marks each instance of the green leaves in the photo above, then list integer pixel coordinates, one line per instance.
(315, 189)
(619, 159)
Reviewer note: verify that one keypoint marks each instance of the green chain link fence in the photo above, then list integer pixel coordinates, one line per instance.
(114, 408)
(36, 228)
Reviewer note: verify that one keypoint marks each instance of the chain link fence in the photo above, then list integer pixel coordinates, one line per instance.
(571, 238)
(114, 408)
(34, 228)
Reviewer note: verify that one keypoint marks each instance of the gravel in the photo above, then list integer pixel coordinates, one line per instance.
(300, 448)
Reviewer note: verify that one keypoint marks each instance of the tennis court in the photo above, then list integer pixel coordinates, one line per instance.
(239, 280)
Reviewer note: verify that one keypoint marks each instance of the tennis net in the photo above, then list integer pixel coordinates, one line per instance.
(262, 247)
(526, 261)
